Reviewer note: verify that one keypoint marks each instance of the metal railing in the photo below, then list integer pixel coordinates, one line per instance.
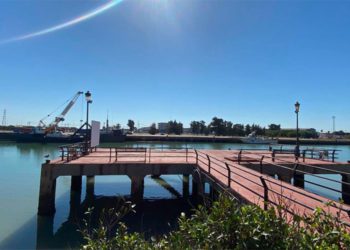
(320, 154)
(251, 181)
(226, 173)
(74, 151)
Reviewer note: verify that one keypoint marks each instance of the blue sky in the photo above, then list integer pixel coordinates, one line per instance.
(156, 60)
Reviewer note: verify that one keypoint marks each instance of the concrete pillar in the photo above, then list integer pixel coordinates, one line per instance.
(216, 195)
(346, 188)
(90, 186)
(194, 188)
(201, 189)
(137, 188)
(74, 205)
(185, 186)
(211, 192)
(44, 232)
(47, 192)
(284, 178)
(76, 183)
(299, 180)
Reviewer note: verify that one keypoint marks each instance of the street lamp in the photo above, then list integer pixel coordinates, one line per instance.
(297, 150)
(88, 101)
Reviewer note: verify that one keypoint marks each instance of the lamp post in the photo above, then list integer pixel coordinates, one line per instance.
(88, 101)
(297, 150)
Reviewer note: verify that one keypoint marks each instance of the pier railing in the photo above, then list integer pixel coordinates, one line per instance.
(321, 154)
(269, 191)
(74, 151)
(237, 176)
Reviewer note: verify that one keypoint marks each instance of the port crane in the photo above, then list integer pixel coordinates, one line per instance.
(53, 125)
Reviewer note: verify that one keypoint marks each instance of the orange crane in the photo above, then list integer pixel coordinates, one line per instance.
(53, 125)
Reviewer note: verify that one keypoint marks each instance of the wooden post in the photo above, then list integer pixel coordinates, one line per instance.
(185, 186)
(137, 188)
(47, 192)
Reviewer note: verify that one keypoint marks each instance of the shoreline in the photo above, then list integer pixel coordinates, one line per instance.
(229, 139)
(8, 136)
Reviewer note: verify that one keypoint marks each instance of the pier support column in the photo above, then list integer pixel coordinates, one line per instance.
(216, 195)
(285, 178)
(76, 183)
(90, 185)
(74, 204)
(299, 180)
(137, 188)
(211, 192)
(185, 186)
(47, 192)
(194, 188)
(346, 188)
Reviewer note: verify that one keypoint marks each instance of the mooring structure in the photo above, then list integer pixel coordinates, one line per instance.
(262, 177)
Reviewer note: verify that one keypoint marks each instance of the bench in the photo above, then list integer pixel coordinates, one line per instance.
(283, 151)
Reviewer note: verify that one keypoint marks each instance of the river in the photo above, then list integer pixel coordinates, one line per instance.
(19, 190)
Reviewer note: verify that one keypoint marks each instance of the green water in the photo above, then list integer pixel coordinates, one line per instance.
(19, 190)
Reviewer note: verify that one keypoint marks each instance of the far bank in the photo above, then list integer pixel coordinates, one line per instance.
(228, 139)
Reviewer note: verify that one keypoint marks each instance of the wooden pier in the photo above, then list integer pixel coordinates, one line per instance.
(246, 175)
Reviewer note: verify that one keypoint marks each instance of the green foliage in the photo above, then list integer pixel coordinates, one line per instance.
(229, 225)
(131, 125)
(175, 127)
(274, 127)
(153, 129)
(198, 127)
(305, 133)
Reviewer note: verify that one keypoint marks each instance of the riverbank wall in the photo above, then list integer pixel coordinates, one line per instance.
(229, 139)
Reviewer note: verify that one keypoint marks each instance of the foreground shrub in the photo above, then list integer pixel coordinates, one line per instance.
(226, 225)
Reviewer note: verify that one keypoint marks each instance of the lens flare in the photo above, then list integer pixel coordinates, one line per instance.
(67, 24)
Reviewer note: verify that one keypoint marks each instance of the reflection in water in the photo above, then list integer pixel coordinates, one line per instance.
(152, 217)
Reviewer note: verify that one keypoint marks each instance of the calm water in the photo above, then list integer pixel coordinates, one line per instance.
(19, 190)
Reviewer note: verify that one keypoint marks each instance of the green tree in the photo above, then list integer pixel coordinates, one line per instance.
(131, 125)
(217, 126)
(195, 127)
(274, 127)
(202, 127)
(175, 127)
(153, 129)
(247, 129)
(238, 129)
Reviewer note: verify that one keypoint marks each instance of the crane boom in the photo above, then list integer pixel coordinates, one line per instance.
(60, 118)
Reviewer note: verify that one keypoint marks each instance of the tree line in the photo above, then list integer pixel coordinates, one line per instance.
(221, 127)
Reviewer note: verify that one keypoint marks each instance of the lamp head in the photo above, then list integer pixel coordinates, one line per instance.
(88, 97)
(297, 107)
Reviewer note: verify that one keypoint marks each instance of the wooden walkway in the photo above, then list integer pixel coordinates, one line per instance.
(230, 169)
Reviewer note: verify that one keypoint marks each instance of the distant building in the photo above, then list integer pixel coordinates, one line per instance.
(163, 127)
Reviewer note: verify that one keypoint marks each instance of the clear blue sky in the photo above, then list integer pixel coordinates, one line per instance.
(156, 60)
